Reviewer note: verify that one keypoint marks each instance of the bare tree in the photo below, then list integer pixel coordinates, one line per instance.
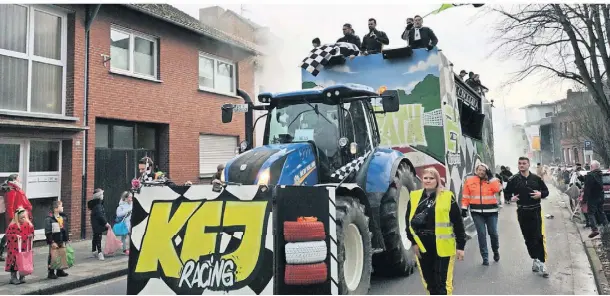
(568, 42)
(588, 123)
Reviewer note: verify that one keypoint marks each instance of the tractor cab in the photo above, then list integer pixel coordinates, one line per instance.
(337, 121)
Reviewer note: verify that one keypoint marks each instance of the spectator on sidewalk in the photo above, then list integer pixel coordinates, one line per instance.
(14, 198)
(123, 213)
(374, 41)
(479, 194)
(594, 197)
(420, 36)
(349, 36)
(19, 229)
(56, 232)
(99, 223)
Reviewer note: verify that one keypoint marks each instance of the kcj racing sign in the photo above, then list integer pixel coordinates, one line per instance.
(191, 240)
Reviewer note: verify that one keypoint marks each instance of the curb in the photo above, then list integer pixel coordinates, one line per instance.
(596, 265)
(57, 289)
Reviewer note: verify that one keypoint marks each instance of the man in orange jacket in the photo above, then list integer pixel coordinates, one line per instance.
(479, 194)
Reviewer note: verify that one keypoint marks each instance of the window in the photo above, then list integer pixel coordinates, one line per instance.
(9, 158)
(33, 37)
(146, 138)
(356, 130)
(215, 150)
(122, 137)
(125, 135)
(44, 156)
(548, 114)
(133, 53)
(216, 75)
(101, 136)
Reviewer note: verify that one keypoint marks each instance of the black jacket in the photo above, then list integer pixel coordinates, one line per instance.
(594, 187)
(373, 44)
(57, 237)
(405, 33)
(98, 215)
(427, 38)
(353, 39)
(429, 241)
(505, 174)
(523, 186)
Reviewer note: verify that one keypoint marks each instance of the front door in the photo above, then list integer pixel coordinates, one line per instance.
(11, 162)
(119, 146)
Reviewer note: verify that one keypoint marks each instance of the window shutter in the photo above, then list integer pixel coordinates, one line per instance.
(215, 150)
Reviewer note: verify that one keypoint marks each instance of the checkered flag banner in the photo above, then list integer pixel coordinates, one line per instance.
(345, 170)
(320, 56)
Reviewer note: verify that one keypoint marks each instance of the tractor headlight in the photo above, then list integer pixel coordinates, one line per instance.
(263, 178)
(222, 175)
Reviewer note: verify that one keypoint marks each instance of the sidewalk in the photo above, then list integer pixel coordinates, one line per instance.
(86, 270)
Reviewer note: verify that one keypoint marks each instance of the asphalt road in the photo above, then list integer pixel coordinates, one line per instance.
(570, 270)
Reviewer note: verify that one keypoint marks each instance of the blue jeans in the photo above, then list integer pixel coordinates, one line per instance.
(125, 241)
(487, 223)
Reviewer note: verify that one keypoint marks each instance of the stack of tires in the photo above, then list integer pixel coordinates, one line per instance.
(306, 251)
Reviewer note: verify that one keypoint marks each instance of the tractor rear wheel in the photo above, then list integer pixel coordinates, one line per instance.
(354, 248)
(397, 259)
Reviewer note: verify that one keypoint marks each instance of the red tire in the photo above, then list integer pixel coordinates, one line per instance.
(306, 274)
(303, 231)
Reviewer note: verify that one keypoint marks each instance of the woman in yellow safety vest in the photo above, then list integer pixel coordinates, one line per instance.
(436, 232)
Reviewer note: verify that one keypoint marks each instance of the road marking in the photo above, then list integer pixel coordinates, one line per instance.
(98, 284)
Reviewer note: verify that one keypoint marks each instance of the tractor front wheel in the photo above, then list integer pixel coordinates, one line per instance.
(354, 248)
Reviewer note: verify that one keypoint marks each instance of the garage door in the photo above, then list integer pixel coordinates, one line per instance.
(214, 150)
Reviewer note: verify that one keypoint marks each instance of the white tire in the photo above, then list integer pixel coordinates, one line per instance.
(306, 252)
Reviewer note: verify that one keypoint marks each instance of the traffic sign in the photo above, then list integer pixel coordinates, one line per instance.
(588, 145)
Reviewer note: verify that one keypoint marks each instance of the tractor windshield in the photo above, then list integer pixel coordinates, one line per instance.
(303, 122)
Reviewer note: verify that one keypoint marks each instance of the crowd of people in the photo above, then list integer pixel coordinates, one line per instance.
(416, 35)
(19, 233)
(436, 226)
(474, 81)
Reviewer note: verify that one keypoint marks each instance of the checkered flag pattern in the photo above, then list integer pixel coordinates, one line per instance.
(345, 170)
(320, 56)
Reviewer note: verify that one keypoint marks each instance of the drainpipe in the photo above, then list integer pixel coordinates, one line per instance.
(90, 14)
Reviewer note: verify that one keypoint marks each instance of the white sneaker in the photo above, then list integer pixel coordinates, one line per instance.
(545, 272)
(536, 265)
(94, 254)
(100, 256)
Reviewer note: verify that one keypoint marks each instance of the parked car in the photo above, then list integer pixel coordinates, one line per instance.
(606, 180)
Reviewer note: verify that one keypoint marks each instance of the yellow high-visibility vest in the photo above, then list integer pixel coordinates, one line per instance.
(445, 238)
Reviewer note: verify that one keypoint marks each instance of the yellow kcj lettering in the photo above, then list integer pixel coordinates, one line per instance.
(157, 244)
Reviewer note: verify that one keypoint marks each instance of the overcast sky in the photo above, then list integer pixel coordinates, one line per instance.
(464, 36)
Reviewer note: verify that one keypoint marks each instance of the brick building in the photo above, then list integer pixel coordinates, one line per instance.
(270, 60)
(571, 140)
(153, 85)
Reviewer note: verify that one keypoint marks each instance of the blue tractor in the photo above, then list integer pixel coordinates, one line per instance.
(329, 137)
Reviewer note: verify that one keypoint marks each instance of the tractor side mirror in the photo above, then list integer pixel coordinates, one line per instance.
(227, 113)
(390, 101)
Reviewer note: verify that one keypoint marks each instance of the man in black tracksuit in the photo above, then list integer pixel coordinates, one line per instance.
(374, 41)
(527, 190)
(594, 197)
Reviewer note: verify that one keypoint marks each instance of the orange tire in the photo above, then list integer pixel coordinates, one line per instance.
(306, 274)
(303, 231)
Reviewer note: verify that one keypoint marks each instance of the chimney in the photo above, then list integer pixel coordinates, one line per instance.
(210, 15)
